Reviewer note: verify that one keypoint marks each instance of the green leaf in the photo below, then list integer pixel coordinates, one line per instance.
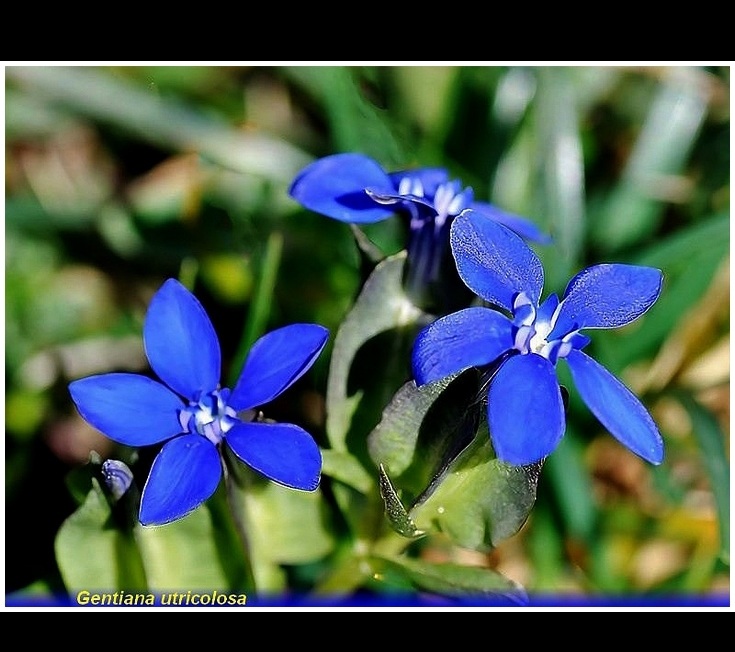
(370, 252)
(94, 553)
(260, 308)
(711, 442)
(393, 441)
(347, 469)
(394, 509)
(142, 113)
(79, 480)
(454, 580)
(480, 501)
(355, 123)
(634, 209)
(288, 526)
(423, 429)
(672, 253)
(572, 486)
(689, 260)
(545, 546)
(561, 171)
(382, 307)
(183, 554)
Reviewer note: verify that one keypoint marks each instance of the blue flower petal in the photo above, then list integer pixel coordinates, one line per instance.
(180, 341)
(430, 178)
(128, 408)
(282, 452)
(335, 186)
(607, 296)
(520, 225)
(616, 407)
(184, 474)
(275, 362)
(117, 476)
(472, 337)
(525, 410)
(547, 308)
(493, 261)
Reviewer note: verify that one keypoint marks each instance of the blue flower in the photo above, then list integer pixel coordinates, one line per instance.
(117, 476)
(354, 188)
(194, 415)
(525, 409)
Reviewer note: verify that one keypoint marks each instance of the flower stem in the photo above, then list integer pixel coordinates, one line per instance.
(229, 517)
(263, 574)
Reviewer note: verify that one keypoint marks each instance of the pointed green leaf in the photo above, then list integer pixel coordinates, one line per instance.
(454, 580)
(355, 123)
(381, 308)
(561, 170)
(371, 252)
(393, 441)
(132, 108)
(711, 442)
(570, 481)
(422, 429)
(689, 260)
(259, 313)
(79, 479)
(634, 209)
(394, 509)
(479, 501)
(94, 553)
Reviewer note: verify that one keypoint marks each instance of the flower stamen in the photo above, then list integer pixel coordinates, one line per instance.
(533, 327)
(210, 416)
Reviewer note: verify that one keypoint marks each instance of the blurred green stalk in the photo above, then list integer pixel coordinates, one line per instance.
(102, 96)
(261, 306)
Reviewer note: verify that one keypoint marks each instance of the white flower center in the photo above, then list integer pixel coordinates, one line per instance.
(210, 416)
(532, 332)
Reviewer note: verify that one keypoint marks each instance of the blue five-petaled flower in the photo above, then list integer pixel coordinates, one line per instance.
(354, 188)
(524, 402)
(194, 415)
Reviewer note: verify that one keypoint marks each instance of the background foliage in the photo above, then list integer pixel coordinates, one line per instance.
(118, 177)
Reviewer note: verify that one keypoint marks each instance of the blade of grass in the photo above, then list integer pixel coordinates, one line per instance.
(572, 487)
(99, 95)
(635, 208)
(356, 123)
(561, 175)
(711, 442)
(259, 314)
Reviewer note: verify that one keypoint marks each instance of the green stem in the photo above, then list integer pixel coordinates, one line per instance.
(264, 575)
(231, 538)
(354, 566)
(237, 509)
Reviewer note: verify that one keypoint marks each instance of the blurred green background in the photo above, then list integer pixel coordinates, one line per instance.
(117, 177)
